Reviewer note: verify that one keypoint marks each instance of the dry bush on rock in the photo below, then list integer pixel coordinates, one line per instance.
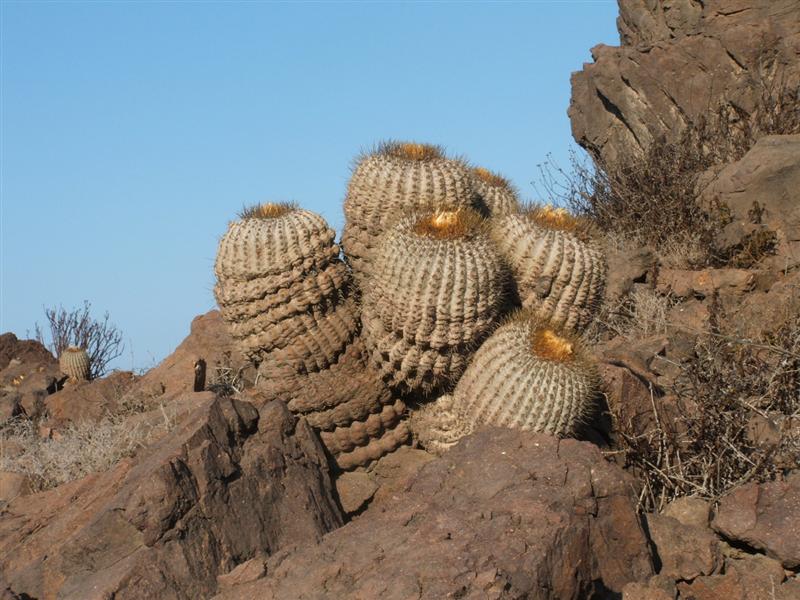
(738, 420)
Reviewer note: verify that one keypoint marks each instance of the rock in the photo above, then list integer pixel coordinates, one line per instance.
(682, 283)
(760, 191)
(248, 571)
(394, 472)
(689, 511)
(504, 514)
(12, 485)
(626, 267)
(685, 551)
(355, 490)
(658, 79)
(89, 400)
(752, 578)
(208, 339)
(658, 587)
(764, 516)
(228, 484)
(10, 406)
(23, 351)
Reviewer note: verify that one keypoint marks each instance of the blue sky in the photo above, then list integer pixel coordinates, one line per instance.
(133, 131)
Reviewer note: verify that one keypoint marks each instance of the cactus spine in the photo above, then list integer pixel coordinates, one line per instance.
(528, 375)
(283, 289)
(436, 290)
(496, 192)
(74, 363)
(397, 178)
(557, 274)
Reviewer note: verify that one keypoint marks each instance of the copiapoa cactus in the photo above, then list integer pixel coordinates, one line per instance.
(558, 274)
(74, 363)
(283, 290)
(436, 290)
(528, 375)
(495, 192)
(393, 179)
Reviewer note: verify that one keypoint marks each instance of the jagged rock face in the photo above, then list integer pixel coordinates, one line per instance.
(229, 483)
(505, 514)
(678, 58)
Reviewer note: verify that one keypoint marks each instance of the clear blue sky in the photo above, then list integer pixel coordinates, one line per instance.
(133, 131)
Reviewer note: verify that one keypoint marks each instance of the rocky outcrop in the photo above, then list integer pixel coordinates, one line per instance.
(677, 60)
(765, 517)
(505, 514)
(28, 374)
(228, 484)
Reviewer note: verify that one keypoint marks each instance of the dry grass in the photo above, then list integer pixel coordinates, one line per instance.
(410, 151)
(226, 380)
(492, 179)
(642, 313)
(75, 451)
(710, 444)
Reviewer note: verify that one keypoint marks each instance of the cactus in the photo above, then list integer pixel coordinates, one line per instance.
(557, 273)
(436, 290)
(74, 363)
(528, 375)
(392, 180)
(496, 192)
(283, 290)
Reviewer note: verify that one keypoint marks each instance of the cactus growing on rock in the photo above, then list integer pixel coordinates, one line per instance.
(74, 363)
(528, 375)
(437, 288)
(397, 178)
(282, 288)
(495, 192)
(557, 273)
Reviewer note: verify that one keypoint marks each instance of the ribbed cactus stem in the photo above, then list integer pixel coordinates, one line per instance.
(528, 375)
(559, 274)
(437, 289)
(392, 180)
(74, 363)
(495, 192)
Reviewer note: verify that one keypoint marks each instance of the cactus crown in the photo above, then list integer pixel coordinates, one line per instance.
(490, 178)
(547, 344)
(269, 210)
(448, 224)
(73, 349)
(552, 217)
(411, 151)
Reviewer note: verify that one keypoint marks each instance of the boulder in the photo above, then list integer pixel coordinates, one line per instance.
(764, 516)
(684, 551)
(678, 58)
(28, 374)
(503, 514)
(89, 400)
(230, 483)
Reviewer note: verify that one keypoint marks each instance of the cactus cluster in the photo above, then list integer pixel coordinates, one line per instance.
(74, 363)
(437, 254)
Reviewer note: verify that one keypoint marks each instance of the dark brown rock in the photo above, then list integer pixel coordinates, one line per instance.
(677, 60)
(765, 517)
(24, 351)
(228, 484)
(689, 511)
(504, 514)
(355, 490)
(89, 400)
(685, 551)
(750, 578)
(29, 374)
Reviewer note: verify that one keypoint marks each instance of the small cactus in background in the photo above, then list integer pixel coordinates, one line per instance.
(74, 363)
(558, 275)
(392, 180)
(282, 288)
(528, 375)
(437, 288)
(495, 192)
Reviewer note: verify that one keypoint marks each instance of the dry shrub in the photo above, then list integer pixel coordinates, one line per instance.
(651, 198)
(738, 420)
(641, 313)
(226, 379)
(78, 449)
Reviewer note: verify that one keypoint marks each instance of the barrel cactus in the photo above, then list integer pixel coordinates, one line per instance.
(283, 290)
(495, 192)
(74, 363)
(528, 375)
(558, 273)
(393, 179)
(436, 289)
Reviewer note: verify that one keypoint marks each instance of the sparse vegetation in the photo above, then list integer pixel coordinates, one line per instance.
(738, 410)
(100, 338)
